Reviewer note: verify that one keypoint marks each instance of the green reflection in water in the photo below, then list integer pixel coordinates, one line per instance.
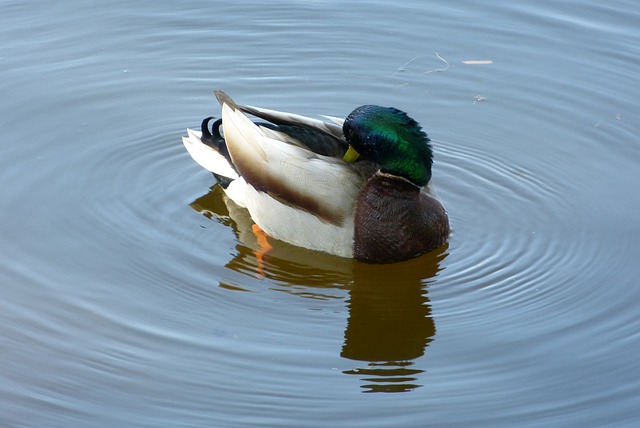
(389, 323)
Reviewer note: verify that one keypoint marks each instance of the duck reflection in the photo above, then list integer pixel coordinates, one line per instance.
(389, 323)
(287, 265)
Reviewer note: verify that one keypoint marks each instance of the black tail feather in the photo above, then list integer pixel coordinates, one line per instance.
(215, 140)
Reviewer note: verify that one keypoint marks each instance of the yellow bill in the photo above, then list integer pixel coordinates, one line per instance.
(351, 155)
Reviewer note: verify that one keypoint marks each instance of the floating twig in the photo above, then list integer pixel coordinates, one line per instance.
(408, 63)
(438, 69)
(478, 62)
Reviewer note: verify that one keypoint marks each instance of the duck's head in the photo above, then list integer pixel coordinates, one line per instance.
(390, 138)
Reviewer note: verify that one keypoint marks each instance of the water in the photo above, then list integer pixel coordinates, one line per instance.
(131, 294)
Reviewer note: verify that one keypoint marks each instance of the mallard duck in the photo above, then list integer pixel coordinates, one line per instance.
(357, 187)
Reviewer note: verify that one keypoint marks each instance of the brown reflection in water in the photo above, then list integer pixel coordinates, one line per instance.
(389, 323)
(291, 266)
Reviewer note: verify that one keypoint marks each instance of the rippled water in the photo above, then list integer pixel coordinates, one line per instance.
(131, 290)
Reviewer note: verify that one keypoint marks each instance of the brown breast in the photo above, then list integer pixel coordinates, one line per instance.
(395, 220)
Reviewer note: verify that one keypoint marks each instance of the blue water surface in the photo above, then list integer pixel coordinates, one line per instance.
(132, 293)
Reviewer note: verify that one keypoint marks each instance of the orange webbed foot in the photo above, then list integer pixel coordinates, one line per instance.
(264, 246)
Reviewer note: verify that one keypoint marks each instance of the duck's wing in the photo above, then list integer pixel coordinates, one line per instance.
(332, 128)
(277, 164)
(338, 121)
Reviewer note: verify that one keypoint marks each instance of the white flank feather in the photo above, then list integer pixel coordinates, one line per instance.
(268, 156)
(304, 172)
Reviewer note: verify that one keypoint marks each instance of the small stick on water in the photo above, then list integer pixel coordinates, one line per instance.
(404, 67)
(407, 64)
(438, 69)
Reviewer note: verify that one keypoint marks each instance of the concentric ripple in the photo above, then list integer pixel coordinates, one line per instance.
(132, 291)
(505, 218)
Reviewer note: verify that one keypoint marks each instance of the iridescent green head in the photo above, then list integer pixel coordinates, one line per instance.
(393, 140)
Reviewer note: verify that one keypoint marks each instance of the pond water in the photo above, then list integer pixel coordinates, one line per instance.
(131, 293)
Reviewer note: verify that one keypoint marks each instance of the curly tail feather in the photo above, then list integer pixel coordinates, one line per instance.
(209, 150)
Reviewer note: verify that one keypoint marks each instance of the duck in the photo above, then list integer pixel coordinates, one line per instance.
(359, 187)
